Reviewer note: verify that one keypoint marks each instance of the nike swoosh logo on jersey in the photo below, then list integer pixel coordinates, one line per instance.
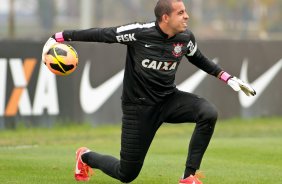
(91, 99)
(194, 81)
(147, 46)
(260, 84)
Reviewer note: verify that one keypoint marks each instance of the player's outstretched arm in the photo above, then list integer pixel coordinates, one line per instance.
(236, 84)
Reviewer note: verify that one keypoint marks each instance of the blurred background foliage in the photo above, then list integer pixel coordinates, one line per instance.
(213, 19)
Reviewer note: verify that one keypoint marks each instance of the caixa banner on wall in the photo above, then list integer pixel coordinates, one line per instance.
(29, 93)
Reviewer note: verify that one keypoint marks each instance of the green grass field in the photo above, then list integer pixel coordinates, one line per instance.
(241, 152)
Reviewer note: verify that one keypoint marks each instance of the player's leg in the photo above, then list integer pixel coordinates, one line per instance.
(186, 107)
(138, 129)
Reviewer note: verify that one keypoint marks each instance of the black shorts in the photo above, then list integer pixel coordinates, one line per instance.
(140, 122)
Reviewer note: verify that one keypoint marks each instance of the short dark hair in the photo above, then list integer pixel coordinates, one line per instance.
(164, 7)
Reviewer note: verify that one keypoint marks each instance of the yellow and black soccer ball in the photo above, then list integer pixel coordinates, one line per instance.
(61, 59)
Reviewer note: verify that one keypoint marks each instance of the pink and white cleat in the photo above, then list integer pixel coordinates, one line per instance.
(82, 171)
(190, 180)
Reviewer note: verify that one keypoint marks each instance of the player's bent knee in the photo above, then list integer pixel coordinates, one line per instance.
(208, 113)
(130, 171)
(207, 119)
(211, 113)
(129, 177)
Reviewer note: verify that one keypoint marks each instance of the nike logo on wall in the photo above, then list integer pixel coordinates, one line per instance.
(194, 81)
(260, 84)
(91, 99)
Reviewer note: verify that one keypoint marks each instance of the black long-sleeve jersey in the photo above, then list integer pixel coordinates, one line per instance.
(152, 58)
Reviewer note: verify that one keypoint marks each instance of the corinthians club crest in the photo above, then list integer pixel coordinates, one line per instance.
(177, 51)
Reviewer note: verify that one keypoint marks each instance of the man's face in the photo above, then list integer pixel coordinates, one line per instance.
(178, 19)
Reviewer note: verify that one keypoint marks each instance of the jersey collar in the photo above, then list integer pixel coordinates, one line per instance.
(163, 34)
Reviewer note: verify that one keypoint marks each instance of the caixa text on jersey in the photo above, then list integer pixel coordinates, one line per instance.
(158, 65)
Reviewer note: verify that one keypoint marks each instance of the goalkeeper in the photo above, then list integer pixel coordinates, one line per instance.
(150, 96)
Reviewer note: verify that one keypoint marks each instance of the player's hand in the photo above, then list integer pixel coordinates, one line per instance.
(56, 38)
(50, 43)
(237, 85)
